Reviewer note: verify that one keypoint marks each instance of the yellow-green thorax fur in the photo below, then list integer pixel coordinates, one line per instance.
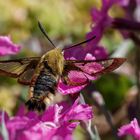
(55, 60)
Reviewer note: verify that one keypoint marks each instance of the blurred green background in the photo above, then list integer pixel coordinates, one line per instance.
(66, 22)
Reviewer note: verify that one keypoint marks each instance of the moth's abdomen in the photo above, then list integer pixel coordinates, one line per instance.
(45, 83)
(43, 87)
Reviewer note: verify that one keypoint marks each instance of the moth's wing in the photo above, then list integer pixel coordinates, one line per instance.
(99, 67)
(107, 65)
(19, 68)
(70, 67)
(26, 76)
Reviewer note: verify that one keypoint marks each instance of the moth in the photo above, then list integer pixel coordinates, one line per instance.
(42, 74)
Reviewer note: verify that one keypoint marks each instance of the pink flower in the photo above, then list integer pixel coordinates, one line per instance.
(95, 50)
(101, 21)
(7, 47)
(80, 78)
(57, 122)
(131, 129)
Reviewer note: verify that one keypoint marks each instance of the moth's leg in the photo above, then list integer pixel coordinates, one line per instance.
(49, 96)
(31, 92)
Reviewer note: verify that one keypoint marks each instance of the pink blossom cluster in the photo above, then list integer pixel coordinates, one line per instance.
(57, 123)
(132, 129)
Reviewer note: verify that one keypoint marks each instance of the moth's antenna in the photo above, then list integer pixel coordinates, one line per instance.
(88, 40)
(45, 34)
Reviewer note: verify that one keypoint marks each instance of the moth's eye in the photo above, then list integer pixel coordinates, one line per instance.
(46, 64)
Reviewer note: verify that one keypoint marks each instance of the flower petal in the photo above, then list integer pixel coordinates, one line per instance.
(54, 114)
(78, 112)
(7, 47)
(130, 129)
(63, 132)
(73, 53)
(66, 89)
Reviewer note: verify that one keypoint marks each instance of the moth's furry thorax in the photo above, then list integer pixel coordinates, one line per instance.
(55, 60)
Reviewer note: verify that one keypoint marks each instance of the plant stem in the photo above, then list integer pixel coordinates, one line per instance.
(101, 105)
